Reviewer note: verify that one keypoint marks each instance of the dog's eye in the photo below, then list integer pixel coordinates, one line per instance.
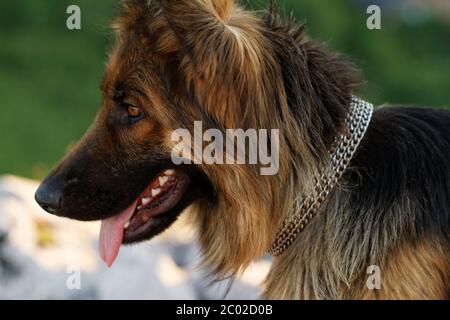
(134, 113)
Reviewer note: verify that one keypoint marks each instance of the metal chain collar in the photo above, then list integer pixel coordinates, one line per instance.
(346, 144)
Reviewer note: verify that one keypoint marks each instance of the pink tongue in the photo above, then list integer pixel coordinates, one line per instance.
(111, 234)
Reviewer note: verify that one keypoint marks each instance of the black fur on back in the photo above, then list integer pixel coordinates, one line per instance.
(405, 153)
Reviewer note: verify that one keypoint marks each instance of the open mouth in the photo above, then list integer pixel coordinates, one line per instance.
(153, 211)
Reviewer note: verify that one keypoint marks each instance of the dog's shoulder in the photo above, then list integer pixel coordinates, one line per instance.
(404, 161)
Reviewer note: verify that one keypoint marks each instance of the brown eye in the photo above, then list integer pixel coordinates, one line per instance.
(134, 112)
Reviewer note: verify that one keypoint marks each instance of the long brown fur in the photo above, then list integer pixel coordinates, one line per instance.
(212, 61)
(232, 68)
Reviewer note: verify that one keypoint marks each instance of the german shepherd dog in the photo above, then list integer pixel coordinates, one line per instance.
(176, 62)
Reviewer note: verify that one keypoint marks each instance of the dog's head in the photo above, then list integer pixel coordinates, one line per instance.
(174, 63)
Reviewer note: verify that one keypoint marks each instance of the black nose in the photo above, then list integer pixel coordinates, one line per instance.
(48, 197)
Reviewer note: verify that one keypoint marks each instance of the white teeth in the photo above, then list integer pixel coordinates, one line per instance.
(163, 180)
(169, 172)
(155, 192)
(126, 225)
(139, 207)
(146, 201)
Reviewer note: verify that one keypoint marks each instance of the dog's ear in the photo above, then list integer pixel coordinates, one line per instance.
(130, 12)
(221, 7)
(221, 50)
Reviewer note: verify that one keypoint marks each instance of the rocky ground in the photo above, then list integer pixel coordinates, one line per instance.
(45, 257)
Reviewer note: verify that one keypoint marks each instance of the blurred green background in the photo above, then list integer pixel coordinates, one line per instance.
(49, 76)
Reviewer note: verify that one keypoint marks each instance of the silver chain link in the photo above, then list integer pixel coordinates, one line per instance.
(346, 144)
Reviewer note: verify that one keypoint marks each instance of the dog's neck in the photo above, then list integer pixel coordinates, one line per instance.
(344, 147)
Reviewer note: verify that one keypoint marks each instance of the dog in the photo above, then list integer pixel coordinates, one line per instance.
(385, 205)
